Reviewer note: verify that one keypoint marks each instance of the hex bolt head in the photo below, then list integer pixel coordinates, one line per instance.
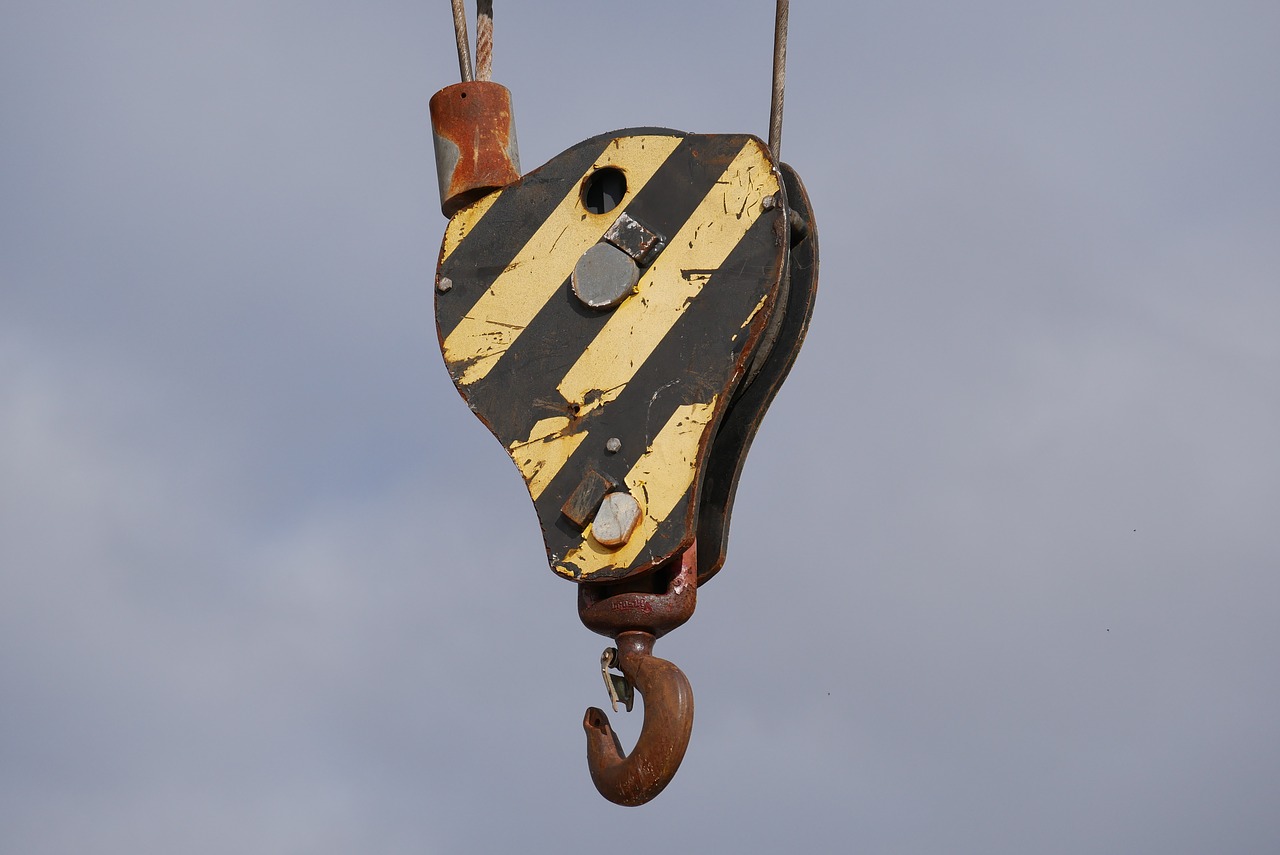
(604, 276)
(616, 520)
(444, 284)
(613, 445)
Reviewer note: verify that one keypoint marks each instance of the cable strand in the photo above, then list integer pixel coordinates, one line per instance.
(484, 39)
(779, 78)
(460, 35)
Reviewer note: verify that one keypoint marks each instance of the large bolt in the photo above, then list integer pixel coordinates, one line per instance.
(616, 520)
(604, 276)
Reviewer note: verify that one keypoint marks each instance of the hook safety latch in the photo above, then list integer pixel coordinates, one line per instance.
(616, 684)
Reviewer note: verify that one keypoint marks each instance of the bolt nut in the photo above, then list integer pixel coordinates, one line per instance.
(769, 203)
(444, 284)
(613, 445)
(617, 519)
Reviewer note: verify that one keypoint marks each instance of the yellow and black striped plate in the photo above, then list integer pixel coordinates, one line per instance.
(555, 380)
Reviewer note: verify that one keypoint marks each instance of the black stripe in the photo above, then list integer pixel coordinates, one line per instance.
(697, 355)
(504, 230)
(532, 368)
(507, 226)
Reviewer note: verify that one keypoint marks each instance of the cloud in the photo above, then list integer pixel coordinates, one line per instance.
(1001, 572)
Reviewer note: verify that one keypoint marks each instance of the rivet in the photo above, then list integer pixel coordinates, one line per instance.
(616, 520)
(613, 445)
(444, 284)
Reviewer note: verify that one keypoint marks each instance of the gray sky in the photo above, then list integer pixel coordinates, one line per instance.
(1004, 572)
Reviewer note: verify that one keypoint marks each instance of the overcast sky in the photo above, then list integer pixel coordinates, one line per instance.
(1005, 570)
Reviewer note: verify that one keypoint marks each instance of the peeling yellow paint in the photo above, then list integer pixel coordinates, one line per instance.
(658, 480)
(461, 223)
(703, 243)
(545, 452)
(754, 312)
(545, 261)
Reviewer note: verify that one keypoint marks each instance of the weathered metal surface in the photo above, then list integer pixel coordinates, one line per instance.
(582, 503)
(634, 239)
(604, 276)
(656, 602)
(555, 381)
(475, 142)
(634, 779)
(636, 614)
(616, 520)
(733, 440)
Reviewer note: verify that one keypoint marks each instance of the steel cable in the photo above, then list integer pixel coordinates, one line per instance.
(484, 39)
(460, 34)
(779, 78)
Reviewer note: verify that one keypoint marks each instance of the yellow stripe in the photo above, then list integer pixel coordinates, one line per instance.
(705, 240)
(461, 223)
(659, 479)
(545, 261)
(543, 454)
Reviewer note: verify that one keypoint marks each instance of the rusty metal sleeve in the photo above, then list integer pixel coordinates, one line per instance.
(475, 140)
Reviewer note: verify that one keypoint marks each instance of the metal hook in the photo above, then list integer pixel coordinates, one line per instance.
(635, 778)
(635, 613)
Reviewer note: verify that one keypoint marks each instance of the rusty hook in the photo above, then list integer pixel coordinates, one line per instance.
(635, 613)
(635, 778)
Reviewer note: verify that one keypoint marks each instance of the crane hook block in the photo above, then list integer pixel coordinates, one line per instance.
(475, 141)
(620, 318)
